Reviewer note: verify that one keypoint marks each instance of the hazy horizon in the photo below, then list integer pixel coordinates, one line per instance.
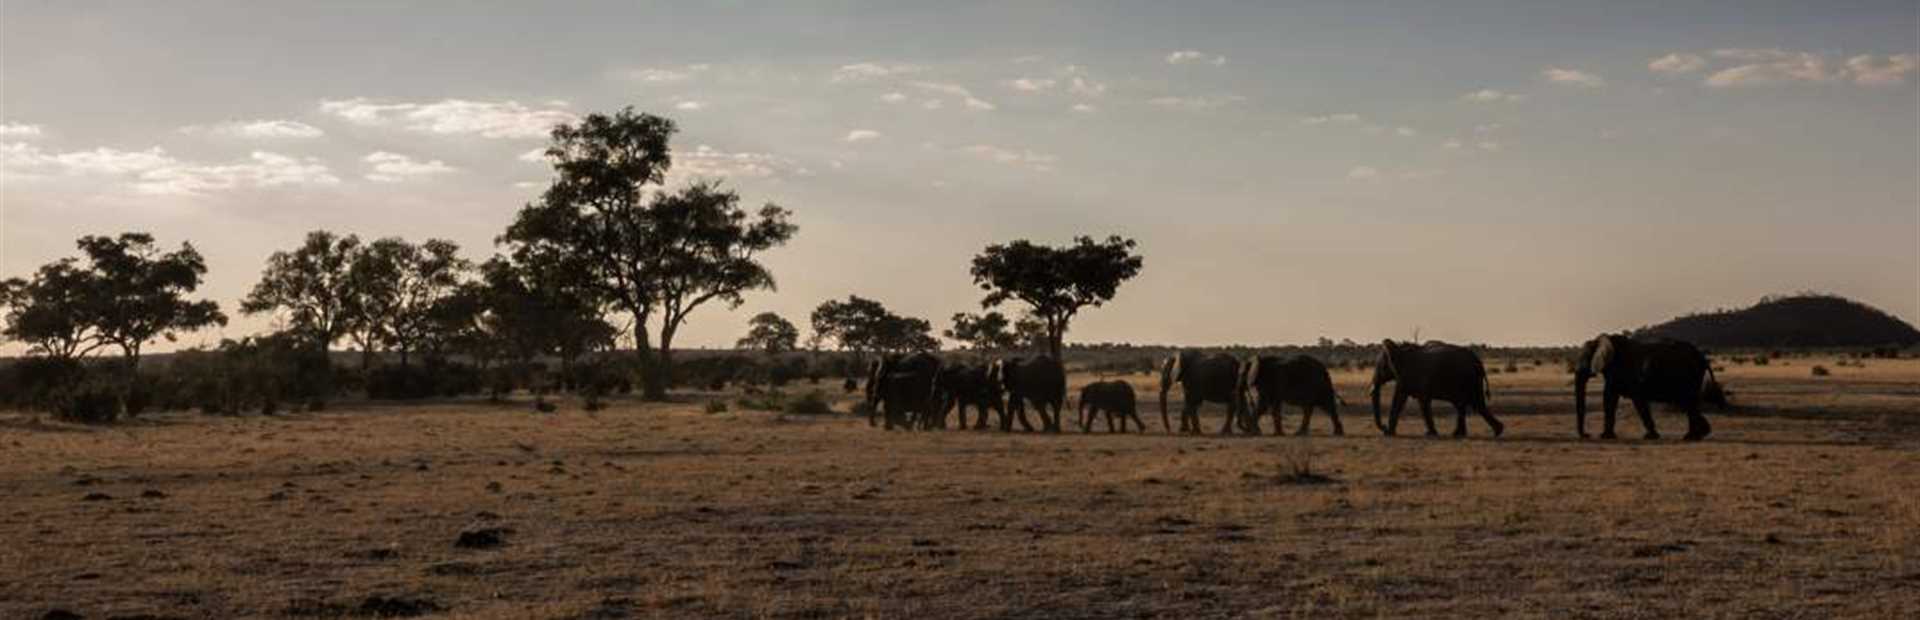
(1487, 172)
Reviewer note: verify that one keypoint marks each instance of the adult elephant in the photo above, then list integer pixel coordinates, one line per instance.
(1645, 371)
(902, 389)
(1039, 381)
(1429, 372)
(1276, 382)
(967, 385)
(1115, 400)
(1203, 378)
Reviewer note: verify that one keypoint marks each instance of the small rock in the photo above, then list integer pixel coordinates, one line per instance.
(484, 538)
(153, 494)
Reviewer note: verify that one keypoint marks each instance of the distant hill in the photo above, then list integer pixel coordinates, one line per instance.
(1803, 320)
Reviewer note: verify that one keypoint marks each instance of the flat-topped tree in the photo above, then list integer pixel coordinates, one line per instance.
(125, 293)
(863, 326)
(1056, 283)
(771, 333)
(648, 253)
(311, 289)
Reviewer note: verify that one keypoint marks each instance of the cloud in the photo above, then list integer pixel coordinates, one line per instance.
(1031, 84)
(1183, 57)
(864, 71)
(1405, 132)
(1085, 86)
(1363, 173)
(394, 167)
(154, 171)
(1770, 66)
(894, 97)
(1336, 118)
(1573, 77)
(1200, 102)
(708, 162)
(1677, 63)
(1452, 144)
(1488, 145)
(260, 129)
(862, 135)
(689, 106)
(663, 75)
(1082, 107)
(932, 104)
(1488, 95)
(19, 130)
(534, 156)
(489, 119)
(956, 90)
(1038, 161)
(1868, 72)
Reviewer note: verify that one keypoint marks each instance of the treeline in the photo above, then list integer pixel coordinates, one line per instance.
(605, 255)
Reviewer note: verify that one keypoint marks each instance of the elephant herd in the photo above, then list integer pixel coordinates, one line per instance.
(919, 391)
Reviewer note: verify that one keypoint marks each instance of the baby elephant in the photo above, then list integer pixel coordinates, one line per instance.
(1113, 398)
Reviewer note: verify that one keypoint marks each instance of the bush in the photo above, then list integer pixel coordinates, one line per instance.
(1820, 371)
(812, 402)
(716, 406)
(89, 402)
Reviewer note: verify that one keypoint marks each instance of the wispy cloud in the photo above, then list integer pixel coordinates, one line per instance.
(1038, 161)
(1893, 72)
(1184, 57)
(1677, 63)
(1083, 107)
(1770, 66)
(1572, 77)
(19, 130)
(1197, 102)
(1488, 95)
(661, 75)
(1335, 118)
(533, 156)
(393, 167)
(963, 93)
(1031, 84)
(894, 97)
(1363, 173)
(864, 71)
(154, 171)
(861, 135)
(690, 106)
(490, 119)
(707, 162)
(259, 129)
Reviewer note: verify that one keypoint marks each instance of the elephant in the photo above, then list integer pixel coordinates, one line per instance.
(1645, 371)
(1039, 380)
(1203, 378)
(1113, 399)
(1276, 382)
(964, 385)
(902, 389)
(1435, 370)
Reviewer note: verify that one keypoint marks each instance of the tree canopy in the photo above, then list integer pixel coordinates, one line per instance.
(771, 333)
(126, 293)
(1055, 282)
(862, 326)
(310, 289)
(648, 252)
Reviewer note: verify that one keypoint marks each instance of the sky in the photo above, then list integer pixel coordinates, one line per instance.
(1498, 172)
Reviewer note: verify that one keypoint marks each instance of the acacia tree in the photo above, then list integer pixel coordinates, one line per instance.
(397, 286)
(310, 289)
(1055, 283)
(983, 332)
(771, 333)
(143, 291)
(863, 326)
(660, 253)
(49, 312)
(534, 309)
(127, 293)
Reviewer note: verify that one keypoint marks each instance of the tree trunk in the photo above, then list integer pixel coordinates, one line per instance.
(653, 381)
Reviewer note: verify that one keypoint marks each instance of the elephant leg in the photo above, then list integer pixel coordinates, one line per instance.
(1111, 414)
(1697, 426)
(1460, 419)
(1232, 419)
(1492, 422)
(1393, 414)
(1190, 416)
(1426, 415)
(1645, 410)
(1137, 422)
(1306, 417)
(1019, 407)
(1333, 411)
(1609, 404)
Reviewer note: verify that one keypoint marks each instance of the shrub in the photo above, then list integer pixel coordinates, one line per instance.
(811, 402)
(1761, 360)
(1820, 371)
(716, 406)
(89, 402)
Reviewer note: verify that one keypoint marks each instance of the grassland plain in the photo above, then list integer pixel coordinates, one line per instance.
(1802, 504)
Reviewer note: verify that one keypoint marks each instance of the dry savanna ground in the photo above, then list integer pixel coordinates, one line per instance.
(1803, 503)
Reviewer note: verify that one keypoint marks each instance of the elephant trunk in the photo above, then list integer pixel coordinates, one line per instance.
(1580, 380)
(1166, 383)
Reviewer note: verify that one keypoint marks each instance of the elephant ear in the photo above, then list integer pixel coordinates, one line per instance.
(1175, 370)
(1251, 374)
(1386, 357)
(1603, 354)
